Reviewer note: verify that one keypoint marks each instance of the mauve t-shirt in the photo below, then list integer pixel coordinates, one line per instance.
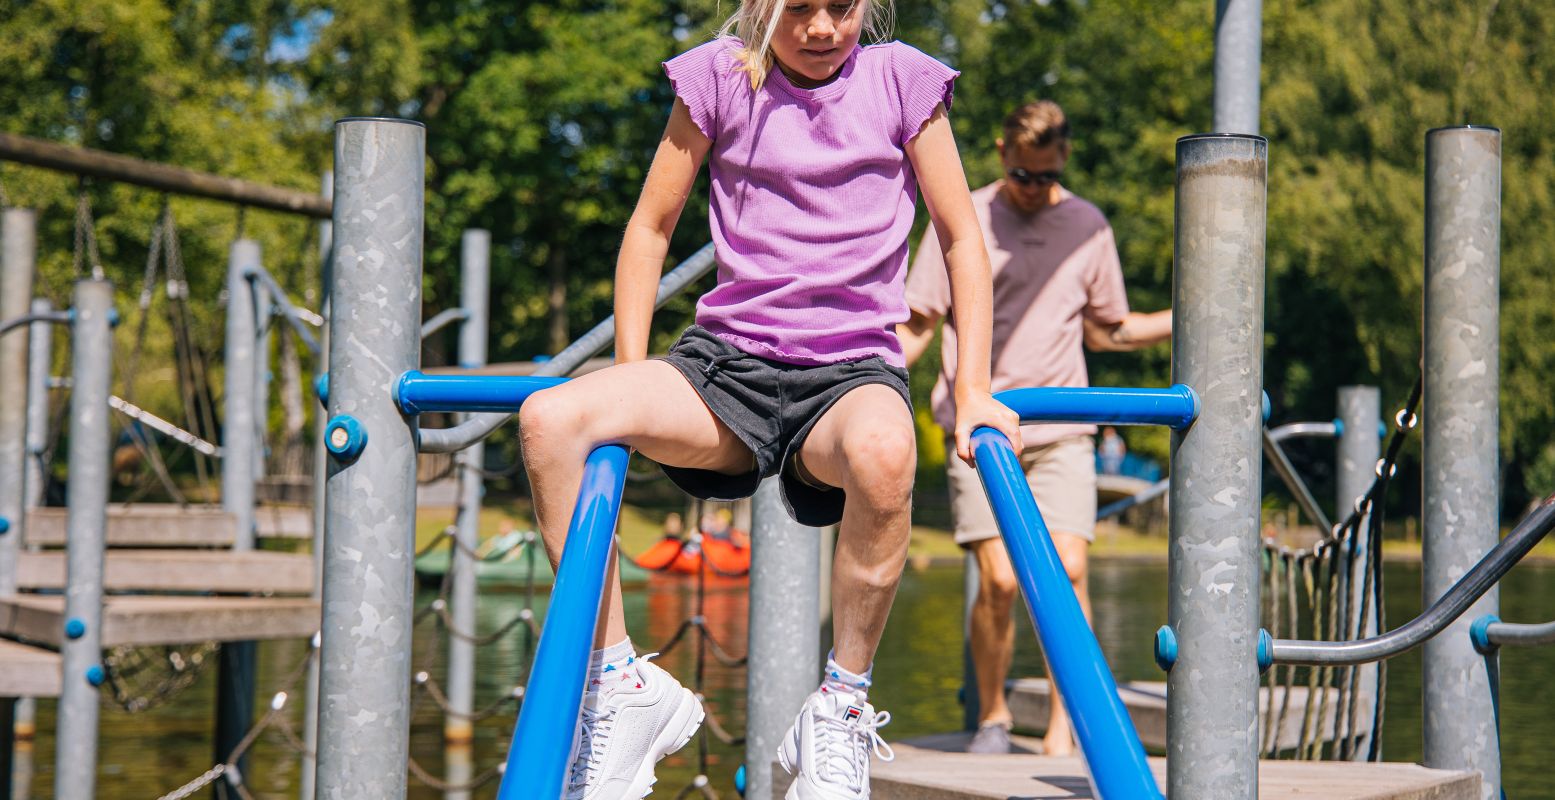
(1051, 271)
(812, 199)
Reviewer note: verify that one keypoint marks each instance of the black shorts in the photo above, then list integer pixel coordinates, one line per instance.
(771, 407)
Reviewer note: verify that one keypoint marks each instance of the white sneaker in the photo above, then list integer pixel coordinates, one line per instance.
(829, 747)
(622, 734)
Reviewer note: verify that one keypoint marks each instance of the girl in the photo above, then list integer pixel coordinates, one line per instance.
(817, 148)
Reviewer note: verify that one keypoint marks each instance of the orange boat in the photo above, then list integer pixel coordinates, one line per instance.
(729, 557)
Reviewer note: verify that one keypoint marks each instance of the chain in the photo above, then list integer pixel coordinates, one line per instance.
(86, 236)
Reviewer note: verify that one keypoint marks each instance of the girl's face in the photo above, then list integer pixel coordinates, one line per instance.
(813, 39)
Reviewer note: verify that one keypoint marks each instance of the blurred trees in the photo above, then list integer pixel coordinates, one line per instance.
(543, 116)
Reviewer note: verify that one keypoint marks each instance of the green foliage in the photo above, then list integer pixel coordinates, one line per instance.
(543, 117)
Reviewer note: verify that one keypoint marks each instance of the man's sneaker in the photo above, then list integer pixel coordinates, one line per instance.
(829, 746)
(623, 733)
(993, 738)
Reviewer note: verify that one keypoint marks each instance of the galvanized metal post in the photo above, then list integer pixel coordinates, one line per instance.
(264, 317)
(240, 456)
(75, 774)
(1462, 485)
(310, 714)
(239, 418)
(40, 363)
(1360, 445)
(375, 326)
(458, 728)
(1217, 350)
(785, 641)
(18, 252)
(1238, 58)
(971, 700)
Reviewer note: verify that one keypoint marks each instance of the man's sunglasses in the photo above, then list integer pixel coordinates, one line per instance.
(1028, 178)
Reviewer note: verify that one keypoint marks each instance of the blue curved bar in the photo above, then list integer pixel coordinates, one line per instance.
(1175, 407)
(1112, 750)
(417, 393)
(538, 757)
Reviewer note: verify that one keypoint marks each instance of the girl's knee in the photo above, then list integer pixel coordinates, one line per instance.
(549, 416)
(882, 460)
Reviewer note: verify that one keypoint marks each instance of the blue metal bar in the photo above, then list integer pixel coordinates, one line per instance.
(1175, 407)
(542, 743)
(1112, 750)
(417, 393)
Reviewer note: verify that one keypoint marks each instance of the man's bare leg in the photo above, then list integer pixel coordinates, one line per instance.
(993, 628)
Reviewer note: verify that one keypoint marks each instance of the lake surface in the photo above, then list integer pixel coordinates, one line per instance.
(918, 674)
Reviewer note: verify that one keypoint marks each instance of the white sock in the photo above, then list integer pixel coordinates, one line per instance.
(841, 680)
(611, 667)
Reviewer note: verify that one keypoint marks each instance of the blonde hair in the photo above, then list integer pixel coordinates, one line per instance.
(1035, 125)
(756, 20)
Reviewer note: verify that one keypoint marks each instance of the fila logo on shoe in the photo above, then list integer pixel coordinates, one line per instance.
(853, 713)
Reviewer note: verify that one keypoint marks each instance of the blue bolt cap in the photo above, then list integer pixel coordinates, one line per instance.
(95, 675)
(739, 780)
(1265, 650)
(1382, 430)
(1268, 407)
(1165, 648)
(1338, 427)
(5, 525)
(345, 437)
(113, 317)
(321, 388)
(75, 628)
(1479, 634)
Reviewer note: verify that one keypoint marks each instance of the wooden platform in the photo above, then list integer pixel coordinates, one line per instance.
(142, 525)
(141, 620)
(220, 571)
(921, 772)
(27, 671)
(1146, 704)
(283, 522)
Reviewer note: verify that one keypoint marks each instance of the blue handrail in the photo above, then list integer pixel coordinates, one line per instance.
(1175, 407)
(538, 756)
(1113, 753)
(418, 393)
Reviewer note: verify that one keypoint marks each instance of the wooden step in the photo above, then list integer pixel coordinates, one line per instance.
(283, 522)
(147, 619)
(1146, 704)
(221, 571)
(924, 773)
(27, 671)
(142, 525)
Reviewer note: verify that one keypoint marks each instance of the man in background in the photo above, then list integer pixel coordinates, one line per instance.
(1058, 289)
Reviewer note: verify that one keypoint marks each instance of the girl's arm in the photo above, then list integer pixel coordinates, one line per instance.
(647, 238)
(943, 184)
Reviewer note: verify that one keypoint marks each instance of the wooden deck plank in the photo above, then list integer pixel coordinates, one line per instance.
(283, 522)
(1146, 704)
(142, 525)
(147, 619)
(920, 773)
(169, 570)
(27, 671)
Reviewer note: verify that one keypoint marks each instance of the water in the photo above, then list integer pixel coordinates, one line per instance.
(918, 673)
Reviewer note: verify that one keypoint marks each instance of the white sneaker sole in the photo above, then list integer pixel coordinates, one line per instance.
(682, 726)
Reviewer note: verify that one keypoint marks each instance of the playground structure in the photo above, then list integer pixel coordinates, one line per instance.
(1213, 646)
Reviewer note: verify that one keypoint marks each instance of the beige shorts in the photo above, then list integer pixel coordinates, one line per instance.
(1062, 476)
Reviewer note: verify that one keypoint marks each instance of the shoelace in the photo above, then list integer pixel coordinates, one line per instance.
(847, 746)
(596, 721)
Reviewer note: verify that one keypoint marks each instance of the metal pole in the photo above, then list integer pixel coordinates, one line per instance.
(264, 315)
(1360, 411)
(375, 324)
(240, 456)
(971, 701)
(1462, 473)
(476, 271)
(18, 251)
(1217, 350)
(239, 425)
(75, 772)
(310, 714)
(785, 642)
(1238, 54)
(40, 363)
